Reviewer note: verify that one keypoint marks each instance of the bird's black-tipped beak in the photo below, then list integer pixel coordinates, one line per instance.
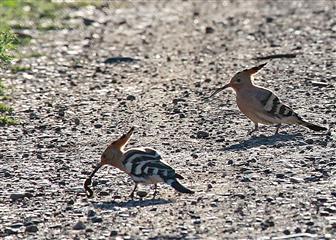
(219, 90)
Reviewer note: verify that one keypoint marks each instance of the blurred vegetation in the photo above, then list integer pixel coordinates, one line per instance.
(17, 15)
(5, 109)
(6, 44)
(2, 89)
(7, 40)
(7, 120)
(39, 14)
(18, 68)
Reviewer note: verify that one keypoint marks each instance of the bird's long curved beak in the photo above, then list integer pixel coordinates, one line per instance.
(88, 181)
(219, 90)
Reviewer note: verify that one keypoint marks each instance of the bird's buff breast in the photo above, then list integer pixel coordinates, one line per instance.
(247, 106)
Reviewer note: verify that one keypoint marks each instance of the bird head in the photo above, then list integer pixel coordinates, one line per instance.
(240, 79)
(111, 156)
(113, 153)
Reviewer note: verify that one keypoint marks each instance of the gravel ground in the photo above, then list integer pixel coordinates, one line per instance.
(77, 98)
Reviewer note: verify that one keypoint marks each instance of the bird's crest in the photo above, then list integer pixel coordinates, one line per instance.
(123, 140)
(254, 70)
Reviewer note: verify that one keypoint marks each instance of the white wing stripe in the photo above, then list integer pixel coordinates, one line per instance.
(145, 155)
(269, 104)
(138, 168)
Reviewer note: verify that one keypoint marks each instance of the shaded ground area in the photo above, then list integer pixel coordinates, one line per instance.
(151, 64)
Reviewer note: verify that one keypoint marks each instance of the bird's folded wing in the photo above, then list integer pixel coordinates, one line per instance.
(271, 108)
(146, 163)
(152, 170)
(140, 154)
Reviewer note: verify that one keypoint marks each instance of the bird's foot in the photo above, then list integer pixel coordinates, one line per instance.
(155, 192)
(277, 129)
(131, 196)
(256, 128)
(249, 133)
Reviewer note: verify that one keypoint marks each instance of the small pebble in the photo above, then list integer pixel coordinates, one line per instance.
(142, 194)
(280, 175)
(295, 180)
(79, 226)
(91, 213)
(77, 121)
(246, 179)
(197, 221)
(130, 98)
(103, 193)
(31, 228)
(209, 30)
(98, 125)
(17, 196)
(202, 134)
(96, 219)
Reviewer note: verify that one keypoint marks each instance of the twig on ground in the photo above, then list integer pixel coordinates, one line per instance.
(280, 55)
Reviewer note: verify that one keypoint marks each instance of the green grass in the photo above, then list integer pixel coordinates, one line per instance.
(18, 68)
(6, 44)
(2, 89)
(39, 14)
(7, 120)
(5, 109)
(34, 55)
(15, 15)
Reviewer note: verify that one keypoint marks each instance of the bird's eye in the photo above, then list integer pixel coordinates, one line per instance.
(238, 80)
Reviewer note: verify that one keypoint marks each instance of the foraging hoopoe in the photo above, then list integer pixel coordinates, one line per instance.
(143, 165)
(260, 104)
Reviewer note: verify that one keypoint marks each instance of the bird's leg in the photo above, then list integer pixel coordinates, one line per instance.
(277, 128)
(254, 129)
(155, 191)
(132, 193)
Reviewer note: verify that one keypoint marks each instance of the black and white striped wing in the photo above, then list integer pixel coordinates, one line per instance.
(273, 107)
(145, 165)
(138, 154)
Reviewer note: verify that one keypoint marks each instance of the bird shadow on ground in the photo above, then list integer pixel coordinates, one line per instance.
(262, 140)
(131, 203)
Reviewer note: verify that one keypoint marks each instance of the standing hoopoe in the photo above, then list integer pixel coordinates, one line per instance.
(260, 104)
(143, 165)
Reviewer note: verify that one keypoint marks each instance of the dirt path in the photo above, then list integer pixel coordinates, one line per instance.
(72, 104)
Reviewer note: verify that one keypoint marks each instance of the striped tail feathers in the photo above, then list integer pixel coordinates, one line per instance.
(312, 126)
(145, 165)
(178, 186)
(273, 106)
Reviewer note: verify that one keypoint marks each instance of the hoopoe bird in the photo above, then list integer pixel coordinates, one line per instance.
(143, 165)
(260, 104)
